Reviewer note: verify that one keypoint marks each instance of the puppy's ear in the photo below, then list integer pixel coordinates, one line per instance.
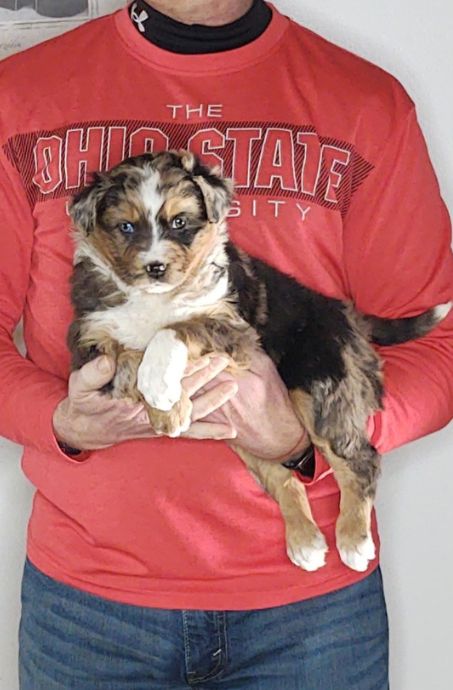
(83, 207)
(217, 190)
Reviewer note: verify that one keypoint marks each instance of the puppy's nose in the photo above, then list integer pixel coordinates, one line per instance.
(156, 269)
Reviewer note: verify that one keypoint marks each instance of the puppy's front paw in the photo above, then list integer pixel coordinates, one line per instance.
(172, 423)
(161, 370)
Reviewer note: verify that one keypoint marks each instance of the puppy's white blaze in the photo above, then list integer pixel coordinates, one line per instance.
(149, 193)
(162, 369)
(155, 253)
(442, 310)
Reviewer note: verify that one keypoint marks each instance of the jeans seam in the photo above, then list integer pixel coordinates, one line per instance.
(187, 657)
(219, 668)
(225, 639)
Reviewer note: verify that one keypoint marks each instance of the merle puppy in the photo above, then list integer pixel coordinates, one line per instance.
(157, 283)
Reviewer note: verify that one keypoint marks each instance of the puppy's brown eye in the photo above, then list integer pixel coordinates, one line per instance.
(127, 228)
(178, 223)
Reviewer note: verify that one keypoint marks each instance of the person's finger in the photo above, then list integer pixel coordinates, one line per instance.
(109, 409)
(91, 377)
(197, 364)
(198, 379)
(210, 401)
(209, 430)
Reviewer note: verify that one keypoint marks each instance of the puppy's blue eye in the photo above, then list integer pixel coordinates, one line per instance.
(178, 223)
(127, 228)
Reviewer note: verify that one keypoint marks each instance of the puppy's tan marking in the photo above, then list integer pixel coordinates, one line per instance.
(177, 203)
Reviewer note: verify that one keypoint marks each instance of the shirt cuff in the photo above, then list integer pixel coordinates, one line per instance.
(73, 454)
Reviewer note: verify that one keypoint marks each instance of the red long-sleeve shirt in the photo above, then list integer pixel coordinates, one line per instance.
(334, 185)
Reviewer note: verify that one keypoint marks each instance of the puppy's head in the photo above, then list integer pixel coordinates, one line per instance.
(155, 220)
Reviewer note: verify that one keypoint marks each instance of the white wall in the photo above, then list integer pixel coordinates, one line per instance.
(412, 39)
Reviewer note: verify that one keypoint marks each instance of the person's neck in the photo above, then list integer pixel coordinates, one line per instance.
(206, 12)
(175, 36)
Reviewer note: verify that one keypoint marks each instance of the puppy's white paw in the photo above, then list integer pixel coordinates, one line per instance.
(309, 555)
(185, 420)
(161, 370)
(359, 557)
(176, 433)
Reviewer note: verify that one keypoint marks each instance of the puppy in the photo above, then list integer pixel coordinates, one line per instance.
(157, 283)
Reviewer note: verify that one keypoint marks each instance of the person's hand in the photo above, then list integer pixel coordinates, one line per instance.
(89, 420)
(261, 412)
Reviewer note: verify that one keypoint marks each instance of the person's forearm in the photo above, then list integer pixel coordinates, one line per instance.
(398, 261)
(418, 380)
(28, 397)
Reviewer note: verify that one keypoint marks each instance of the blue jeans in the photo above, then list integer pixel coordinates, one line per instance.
(70, 639)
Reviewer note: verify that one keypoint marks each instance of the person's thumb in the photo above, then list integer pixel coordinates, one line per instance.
(92, 376)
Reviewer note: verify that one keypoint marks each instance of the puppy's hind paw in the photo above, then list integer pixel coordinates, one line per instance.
(308, 554)
(358, 557)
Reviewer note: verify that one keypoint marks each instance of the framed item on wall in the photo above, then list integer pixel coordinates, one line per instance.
(23, 23)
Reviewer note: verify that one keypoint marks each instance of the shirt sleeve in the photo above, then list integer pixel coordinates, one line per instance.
(398, 262)
(28, 395)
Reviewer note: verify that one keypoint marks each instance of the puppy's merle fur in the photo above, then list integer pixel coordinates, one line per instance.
(155, 271)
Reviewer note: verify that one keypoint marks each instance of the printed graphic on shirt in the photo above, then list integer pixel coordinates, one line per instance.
(271, 159)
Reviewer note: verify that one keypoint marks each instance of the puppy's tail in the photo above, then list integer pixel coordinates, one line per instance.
(395, 331)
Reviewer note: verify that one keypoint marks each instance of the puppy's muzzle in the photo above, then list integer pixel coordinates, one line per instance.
(156, 270)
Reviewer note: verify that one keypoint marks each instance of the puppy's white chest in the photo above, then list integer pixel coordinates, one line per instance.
(135, 322)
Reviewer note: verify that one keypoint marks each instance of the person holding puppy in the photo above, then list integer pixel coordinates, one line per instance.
(138, 575)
